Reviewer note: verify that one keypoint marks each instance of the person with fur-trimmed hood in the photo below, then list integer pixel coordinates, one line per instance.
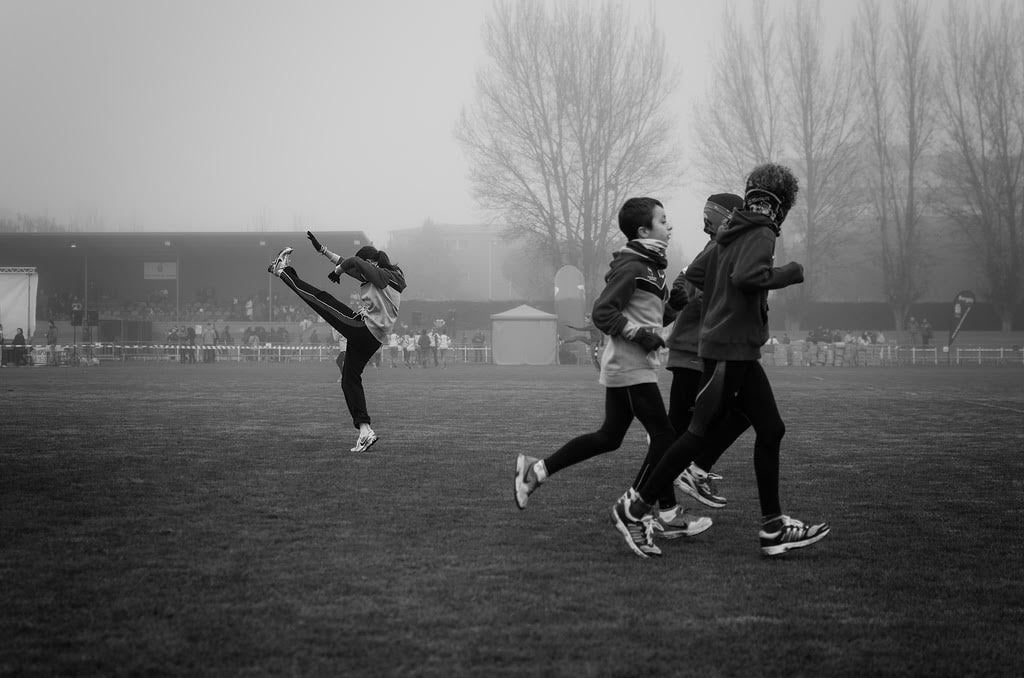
(364, 328)
(631, 311)
(735, 276)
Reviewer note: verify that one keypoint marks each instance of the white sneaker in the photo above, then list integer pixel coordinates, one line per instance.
(280, 262)
(679, 522)
(365, 442)
(791, 534)
(524, 484)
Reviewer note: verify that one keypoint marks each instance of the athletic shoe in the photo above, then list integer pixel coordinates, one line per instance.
(282, 260)
(639, 534)
(792, 534)
(679, 522)
(701, 489)
(526, 482)
(365, 442)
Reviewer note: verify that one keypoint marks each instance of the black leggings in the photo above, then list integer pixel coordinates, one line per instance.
(731, 385)
(685, 386)
(361, 343)
(621, 405)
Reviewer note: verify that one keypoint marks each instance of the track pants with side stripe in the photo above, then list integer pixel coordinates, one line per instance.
(742, 386)
(361, 343)
(621, 405)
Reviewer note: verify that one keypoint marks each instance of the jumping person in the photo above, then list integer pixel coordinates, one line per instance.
(365, 328)
(631, 311)
(735, 277)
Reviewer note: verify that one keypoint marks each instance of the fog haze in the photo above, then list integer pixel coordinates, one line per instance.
(230, 115)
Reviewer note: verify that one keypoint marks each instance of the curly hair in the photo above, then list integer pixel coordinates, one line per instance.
(771, 190)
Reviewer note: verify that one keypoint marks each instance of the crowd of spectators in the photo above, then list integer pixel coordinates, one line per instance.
(160, 306)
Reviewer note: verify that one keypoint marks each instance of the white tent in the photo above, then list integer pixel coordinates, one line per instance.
(18, 290)
(524, 336)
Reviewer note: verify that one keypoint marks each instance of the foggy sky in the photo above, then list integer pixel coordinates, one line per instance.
(235, 114)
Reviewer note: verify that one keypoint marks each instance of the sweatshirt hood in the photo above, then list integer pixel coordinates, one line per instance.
(740, 223)
(634, 251)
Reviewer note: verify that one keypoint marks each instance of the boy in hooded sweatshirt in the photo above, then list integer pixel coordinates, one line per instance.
(735, 276)
(631, 311)
(687, 367)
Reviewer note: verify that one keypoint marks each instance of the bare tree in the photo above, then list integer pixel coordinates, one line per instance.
(824, 146)
(895, 79)
(737, 125)
(568, 122)
(983, 172)
(777, 96)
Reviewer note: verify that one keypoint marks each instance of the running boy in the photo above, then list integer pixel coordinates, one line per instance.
(735, 277)
(631, 311)
(686, 368)
(365, 328)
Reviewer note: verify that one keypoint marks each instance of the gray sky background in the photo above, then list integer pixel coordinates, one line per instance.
(235, 114)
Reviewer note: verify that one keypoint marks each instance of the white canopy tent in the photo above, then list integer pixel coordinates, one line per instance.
(524, 336)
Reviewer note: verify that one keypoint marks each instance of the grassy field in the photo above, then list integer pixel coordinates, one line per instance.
(210, 520)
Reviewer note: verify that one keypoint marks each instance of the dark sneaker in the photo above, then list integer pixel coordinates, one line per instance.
(280, 262)
(679, 522)
(526, 482)
(639, 534)
(701, 489)
(365, 442)
(790, 534)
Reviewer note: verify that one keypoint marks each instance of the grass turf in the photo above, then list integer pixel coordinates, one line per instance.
(204, 519)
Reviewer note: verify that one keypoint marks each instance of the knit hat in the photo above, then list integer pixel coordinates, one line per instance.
(718, 208)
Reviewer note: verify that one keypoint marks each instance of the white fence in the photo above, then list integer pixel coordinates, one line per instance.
(798, 354)
(101, 352)
(886, 355)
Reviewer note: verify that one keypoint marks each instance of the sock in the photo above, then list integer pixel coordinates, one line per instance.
(540, 471)
(636, 505)
(769, 521)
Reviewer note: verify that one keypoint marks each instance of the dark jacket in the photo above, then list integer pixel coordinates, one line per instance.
(685, 298)
(735, 276)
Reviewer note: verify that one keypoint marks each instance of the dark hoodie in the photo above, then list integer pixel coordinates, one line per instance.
(735, 277)
(633, 297)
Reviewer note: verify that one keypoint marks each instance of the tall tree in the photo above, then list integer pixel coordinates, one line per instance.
(568, 122)
(738, 123)
(823, 143)
(895, 79)
(983, 116)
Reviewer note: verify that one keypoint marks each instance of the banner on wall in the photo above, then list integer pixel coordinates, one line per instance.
(160, 270)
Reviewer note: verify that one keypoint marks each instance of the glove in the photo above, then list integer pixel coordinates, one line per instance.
(316, 243)
(334, 276)
(648, 339)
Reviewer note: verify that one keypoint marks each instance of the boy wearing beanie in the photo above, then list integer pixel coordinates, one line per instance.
(735, 276)
(631, 311)
(686, 367)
